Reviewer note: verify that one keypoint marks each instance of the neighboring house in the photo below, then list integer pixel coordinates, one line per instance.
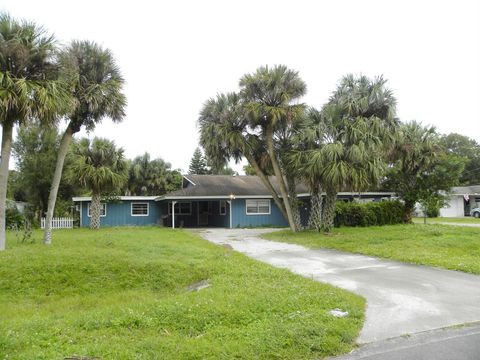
(461, 200)
(208, 201)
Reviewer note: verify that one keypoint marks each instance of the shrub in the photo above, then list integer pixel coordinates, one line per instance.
(369, 214)
(13, 218)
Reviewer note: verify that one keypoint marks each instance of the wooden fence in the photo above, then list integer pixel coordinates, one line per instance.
(59, 223)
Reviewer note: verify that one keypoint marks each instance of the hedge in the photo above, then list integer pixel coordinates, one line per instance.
(369, 214)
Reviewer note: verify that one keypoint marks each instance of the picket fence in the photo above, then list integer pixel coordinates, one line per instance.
(59, 223)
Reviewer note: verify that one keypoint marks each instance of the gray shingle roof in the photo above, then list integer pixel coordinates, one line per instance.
(226, 185)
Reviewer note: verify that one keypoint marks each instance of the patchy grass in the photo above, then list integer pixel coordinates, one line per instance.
(121, 293)
(449, 247)
(459, 220)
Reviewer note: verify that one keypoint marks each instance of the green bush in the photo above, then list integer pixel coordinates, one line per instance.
(14, 219)
(368, 214)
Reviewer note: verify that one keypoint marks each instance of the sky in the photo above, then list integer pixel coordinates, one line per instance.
(175, 55)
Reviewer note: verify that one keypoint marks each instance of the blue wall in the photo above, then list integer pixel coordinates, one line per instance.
(118, 214)
(241, 219)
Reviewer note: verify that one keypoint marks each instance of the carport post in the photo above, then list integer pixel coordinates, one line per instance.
(230, 211)
(173, 214)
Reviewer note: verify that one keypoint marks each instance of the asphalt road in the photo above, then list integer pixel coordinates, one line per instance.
(442, 344)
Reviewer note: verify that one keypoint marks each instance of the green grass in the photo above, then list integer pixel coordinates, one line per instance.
(460, 220)
(449, 247)
(122, 294)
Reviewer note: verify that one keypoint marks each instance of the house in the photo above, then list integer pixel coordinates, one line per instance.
(461, 200)
(207, 201)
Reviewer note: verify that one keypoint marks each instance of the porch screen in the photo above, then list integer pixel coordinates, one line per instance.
(258, 207)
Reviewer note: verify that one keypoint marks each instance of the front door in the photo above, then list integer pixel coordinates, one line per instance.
(203, 212)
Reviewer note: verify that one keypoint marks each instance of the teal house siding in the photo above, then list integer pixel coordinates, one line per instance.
(241, 219)
(119, 214)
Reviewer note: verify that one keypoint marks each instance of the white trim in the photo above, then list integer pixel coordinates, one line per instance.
(139, 203)
(230, 211)
(102, 203)
(81, 214)
(220, 207)
(123, 198)
(190, 181)
(267, 213)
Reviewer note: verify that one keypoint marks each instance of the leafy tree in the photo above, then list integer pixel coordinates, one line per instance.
(421, 170)
(100, 167)
(198, 164)
(96, 86)
(152, 177)
(29, 88)
(249, 170)
(468, 148)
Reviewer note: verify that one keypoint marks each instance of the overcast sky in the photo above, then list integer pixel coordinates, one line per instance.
(174, 55)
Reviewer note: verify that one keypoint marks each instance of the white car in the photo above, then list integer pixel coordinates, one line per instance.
(475, 212)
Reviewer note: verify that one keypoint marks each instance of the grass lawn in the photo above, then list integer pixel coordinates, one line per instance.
(121, 293)
(449, 247)
(460, 220)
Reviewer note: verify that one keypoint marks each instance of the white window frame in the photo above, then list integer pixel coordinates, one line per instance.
(222, 206)
(139, 203)
(102, 204)
(257, 201)
(178, 213)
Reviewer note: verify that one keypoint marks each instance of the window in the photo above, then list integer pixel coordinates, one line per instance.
(103, 210)
(139, 209)
(257, 207)
(181, 208)
(223, 208)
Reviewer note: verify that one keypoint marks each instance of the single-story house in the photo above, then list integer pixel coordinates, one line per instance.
(461, 200)
(207, 201)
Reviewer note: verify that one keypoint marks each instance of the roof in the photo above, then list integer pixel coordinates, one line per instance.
(465, 190)
(227, 186)
(124, 198)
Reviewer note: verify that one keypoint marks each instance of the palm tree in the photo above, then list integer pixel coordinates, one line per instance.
(97, 89)
(415, 152)
(270, 98)
(29, 88)
(101, 168)
(225, 135)
(151, 177)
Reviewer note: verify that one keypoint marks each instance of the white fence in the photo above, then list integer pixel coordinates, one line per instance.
(59, 223)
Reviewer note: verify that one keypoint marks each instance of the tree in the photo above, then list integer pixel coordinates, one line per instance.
(225, 135)
(198, 164)
(271, 97)
(348, 140)
(96, 86)
(463, 146)
(152, 177)
(29, 88)
(421, 170)
(100, 167)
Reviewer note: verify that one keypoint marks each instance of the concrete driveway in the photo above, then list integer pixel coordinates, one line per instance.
(401, 298)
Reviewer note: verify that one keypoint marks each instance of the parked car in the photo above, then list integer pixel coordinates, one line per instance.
(475, 212)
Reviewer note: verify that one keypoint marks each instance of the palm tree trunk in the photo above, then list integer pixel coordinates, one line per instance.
(7, 133)
(329, 210)
(408, 211)
(267, 184)
(95, 211)
(57, 176)
(294, 202)
(278, 174)
(316, 203)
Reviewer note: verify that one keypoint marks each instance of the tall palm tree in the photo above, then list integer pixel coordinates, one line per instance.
(225, 134)
(271, 96)
(29, 88)
(100, 167)
(97, 90)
